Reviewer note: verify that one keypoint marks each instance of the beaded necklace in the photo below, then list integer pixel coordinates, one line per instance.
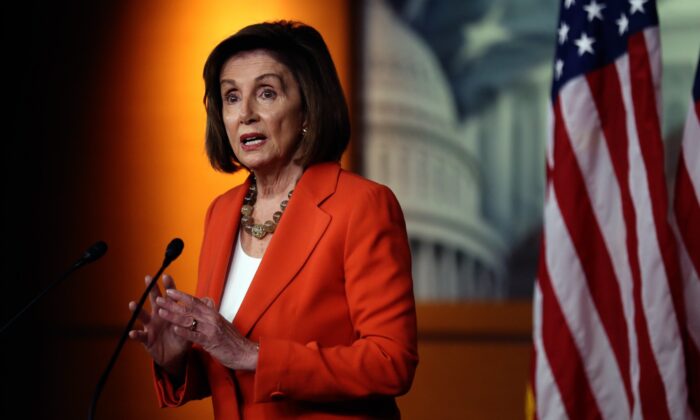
(259, 231)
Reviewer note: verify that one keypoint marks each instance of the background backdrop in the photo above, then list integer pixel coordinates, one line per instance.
(104, 140)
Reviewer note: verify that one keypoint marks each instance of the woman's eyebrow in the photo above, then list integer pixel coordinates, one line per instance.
(273, 75)
(257, 79)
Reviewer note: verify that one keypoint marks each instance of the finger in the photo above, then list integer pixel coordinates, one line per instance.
(208, 301)
(190, 305)
(143, 316)
(183, 320)
(137, 335)
(181, 297)
(171, 305)
(198, 333)
(155, 291)
(206, 311)
(194, 336)
(168, 282)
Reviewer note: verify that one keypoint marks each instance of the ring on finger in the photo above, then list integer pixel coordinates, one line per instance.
(193, 326)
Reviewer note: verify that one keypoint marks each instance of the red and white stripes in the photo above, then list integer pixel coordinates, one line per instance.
(610, 332)
(687, 224)
(687, 212)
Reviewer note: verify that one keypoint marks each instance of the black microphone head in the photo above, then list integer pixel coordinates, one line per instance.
(174, 249)
(95, 252)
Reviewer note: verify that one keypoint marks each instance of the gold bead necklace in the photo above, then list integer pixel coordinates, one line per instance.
(259, 231)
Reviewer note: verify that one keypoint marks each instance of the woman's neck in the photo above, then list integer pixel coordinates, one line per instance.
(278, 182)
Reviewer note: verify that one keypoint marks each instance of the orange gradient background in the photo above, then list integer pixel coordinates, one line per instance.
(158, 172)
(161, 177)
(142, 121)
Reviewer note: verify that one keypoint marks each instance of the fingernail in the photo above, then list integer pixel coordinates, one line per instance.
(162, 312)
(170, 292)
(160, 300)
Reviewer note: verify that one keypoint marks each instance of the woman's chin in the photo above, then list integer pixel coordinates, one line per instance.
(267, 166)
(255, 163)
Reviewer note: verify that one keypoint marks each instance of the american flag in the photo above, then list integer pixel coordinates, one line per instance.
(610, 334)
(687, 221)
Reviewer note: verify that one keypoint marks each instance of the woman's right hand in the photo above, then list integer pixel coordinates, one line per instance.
(166, 348)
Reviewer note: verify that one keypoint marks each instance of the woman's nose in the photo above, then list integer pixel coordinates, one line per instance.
(247, 111)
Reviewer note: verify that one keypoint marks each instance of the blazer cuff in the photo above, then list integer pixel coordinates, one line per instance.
(168, 393)
(271, 371)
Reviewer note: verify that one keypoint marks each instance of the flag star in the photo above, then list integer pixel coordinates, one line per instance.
(559, 68)
(594, 10)
(584, 44)
(563, 33)
(622, 24)
(569, 3)
(637, 6)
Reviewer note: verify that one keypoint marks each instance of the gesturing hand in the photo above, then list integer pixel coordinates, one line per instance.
(197, 320)
(166, 348)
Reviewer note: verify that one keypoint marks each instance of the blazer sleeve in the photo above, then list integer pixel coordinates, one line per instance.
(195, 384)
(193, 387)
(379, 289)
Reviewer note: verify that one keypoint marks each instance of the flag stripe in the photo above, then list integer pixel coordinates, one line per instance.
(688, 212)
(651, 389)
(607, 350)
(607, 90)
(661, 288)
(586, 114)
(691, 146)
(687, 195)
(651, 145)
(546, 393)
(563, 357)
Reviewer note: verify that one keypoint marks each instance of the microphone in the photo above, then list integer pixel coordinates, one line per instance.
(173, 251)
(94, 253)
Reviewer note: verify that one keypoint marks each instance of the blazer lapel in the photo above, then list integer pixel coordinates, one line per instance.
(302, 226)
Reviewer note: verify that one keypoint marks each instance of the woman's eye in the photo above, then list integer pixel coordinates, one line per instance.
(268, 94)
(230, 98)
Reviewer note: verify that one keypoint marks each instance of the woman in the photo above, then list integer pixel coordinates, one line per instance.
(304, 305)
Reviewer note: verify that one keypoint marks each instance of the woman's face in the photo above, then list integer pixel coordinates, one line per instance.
(262, 110)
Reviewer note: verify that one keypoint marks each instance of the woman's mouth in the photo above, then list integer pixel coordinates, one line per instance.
(251, 141)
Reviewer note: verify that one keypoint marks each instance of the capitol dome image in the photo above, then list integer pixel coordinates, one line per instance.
(412, 142)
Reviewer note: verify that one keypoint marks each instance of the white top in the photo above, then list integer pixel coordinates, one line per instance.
(240, 275)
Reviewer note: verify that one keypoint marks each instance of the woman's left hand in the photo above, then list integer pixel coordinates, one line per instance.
(199, 322)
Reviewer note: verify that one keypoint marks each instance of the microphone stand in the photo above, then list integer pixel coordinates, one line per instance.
(93, 253)
(173, 251)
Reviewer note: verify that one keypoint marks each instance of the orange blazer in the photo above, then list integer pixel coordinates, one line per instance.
(331, 305)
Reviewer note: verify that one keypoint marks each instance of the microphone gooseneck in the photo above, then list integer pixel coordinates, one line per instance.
(95, 252)
(173, 251)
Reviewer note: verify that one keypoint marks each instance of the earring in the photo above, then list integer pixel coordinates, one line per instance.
(304, 131)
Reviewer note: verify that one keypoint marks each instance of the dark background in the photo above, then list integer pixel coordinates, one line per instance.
(53, 164)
